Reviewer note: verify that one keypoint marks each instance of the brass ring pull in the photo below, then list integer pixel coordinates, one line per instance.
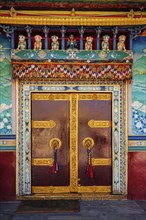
(88, 143)
(55, 143)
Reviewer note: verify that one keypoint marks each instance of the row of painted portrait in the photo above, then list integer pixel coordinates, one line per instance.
(71, 43)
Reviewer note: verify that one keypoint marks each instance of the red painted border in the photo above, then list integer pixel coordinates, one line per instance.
(7, 175)
(137, 175)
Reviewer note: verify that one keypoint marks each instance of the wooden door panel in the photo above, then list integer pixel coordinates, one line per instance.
(102, 176)
(57, 111)
(95, 110)
(43, 176)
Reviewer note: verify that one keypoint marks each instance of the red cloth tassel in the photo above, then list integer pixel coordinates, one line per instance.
(53, 167)
(91, 170)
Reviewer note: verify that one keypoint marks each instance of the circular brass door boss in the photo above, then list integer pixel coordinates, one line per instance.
(88, 143)
(55, 143)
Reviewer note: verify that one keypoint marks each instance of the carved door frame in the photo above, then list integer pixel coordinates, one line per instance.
(119, 128)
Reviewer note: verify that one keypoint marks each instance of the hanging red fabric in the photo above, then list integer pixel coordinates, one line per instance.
(90, 170)
(53, 167)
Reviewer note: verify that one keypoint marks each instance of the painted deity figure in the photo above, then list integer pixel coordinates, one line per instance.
(105, 43)
(71, 43)
(121, 43)
(38, 42)
(88, 43)
(55, 43)
(21, 42)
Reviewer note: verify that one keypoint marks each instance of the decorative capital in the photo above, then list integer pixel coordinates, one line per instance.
(135, 31)
(8, 30)
(81, 30)
(63, 30)
(115, 31)
(28, 30)
(98, 31)
(45, 29)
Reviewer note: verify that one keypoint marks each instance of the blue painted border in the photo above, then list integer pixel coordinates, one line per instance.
(13, 137)
(137, 138)
(8, 137)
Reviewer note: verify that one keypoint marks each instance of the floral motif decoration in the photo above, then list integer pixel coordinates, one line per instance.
(139, 121)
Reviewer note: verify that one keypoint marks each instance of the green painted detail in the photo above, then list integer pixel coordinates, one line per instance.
(7, 148)
(139, 67)
(136, 148)
(72, 55)
(5, 87)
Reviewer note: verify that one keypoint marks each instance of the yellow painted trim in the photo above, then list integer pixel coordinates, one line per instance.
(73, 142)
(50, 189)
(140, 143)
(94, 189)
(6, 143)
(43, 124)
(71, 21)
(66, 63)
(68, 13)
(101, 161)
(98, 96)
(42, 161)
(99, 124)
(66, 189)
(48, 96)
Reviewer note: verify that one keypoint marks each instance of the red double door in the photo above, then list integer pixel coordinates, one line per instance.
(71, 144)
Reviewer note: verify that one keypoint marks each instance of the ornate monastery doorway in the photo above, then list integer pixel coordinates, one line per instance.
(71, 142)
(71, 139)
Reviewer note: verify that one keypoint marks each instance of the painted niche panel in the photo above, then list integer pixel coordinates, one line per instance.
(5, 87)
(139, 87)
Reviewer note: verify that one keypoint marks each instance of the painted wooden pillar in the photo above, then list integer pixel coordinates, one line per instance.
(9, 34)
(98, 32)
(115, 31)
(63, 30)
(12, 40)
(134, 32)
(29, 30)
(131, 41)
(46, 30)
(81, 31)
